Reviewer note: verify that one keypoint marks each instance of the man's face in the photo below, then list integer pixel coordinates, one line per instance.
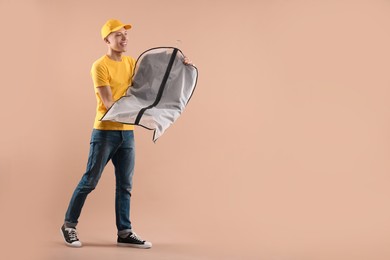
(118, 40)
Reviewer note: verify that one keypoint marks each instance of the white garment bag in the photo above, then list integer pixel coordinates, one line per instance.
(162, 87)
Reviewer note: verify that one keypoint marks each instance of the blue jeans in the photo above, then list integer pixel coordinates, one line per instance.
(120, 148)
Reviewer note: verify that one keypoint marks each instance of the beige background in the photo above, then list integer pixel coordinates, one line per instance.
(282, 154)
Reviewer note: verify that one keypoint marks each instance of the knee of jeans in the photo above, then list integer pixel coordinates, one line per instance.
(126, 188)
(88, 187)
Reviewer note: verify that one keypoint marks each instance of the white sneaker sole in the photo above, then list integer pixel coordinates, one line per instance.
(147, 245)
(74, 244)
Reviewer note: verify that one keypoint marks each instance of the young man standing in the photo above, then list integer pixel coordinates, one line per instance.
(111, 75)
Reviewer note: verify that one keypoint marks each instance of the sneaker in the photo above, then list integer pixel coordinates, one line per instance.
(132, 240)
(70, 236)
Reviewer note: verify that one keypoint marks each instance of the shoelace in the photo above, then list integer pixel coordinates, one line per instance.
(134, 236)
(72, 233)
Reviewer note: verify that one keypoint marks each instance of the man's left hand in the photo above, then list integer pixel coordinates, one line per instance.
(187, 61)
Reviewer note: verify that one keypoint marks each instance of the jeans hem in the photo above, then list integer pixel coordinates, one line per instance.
(124, 232)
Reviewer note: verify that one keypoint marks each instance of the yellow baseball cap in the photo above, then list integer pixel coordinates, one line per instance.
(113, 25)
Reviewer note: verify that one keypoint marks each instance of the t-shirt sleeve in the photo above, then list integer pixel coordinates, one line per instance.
(99, 75)
(133, 61)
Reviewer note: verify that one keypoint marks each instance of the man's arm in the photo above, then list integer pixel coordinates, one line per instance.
(106, 96)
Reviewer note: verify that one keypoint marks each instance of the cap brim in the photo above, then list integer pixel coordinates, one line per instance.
(126, 26)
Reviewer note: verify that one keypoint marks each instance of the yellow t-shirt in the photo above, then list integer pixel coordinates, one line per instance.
(118, 75)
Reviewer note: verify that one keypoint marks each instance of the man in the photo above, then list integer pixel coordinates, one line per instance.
(111, 74)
